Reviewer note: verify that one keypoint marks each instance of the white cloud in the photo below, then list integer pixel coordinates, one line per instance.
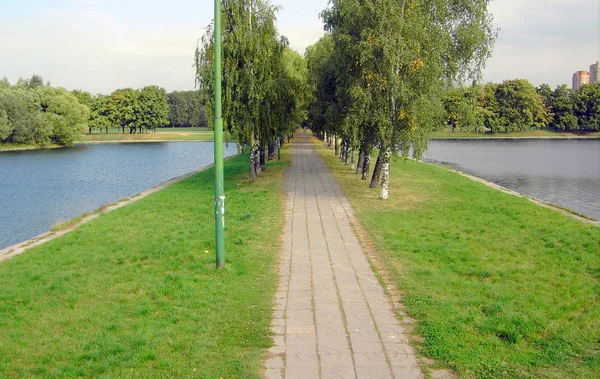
(93, 50)
(544, 41)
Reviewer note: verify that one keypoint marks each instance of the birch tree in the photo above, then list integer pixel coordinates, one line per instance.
(393, 58)
(252, 70)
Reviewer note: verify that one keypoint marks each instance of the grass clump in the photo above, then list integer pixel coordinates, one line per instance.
(135, 293)
(500, 287)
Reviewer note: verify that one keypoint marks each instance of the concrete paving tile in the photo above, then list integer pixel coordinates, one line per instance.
(326, 303)
(273, 373)
(277, 350)
(301, 330)
(368, 355)
(297, 317)
(407, 372)
(327, 316)
(274, 363)
(375, 372)
(302, 372)
(338, 373)
(300, 303)
(357, 315)
(401, 354)
(352, 297)
(278, 330)
(383, 317)
(363, 334)
(278, 340)
(392, 334)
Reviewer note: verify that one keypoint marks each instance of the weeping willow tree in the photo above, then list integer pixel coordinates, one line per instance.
(256, 83)
(393, 59)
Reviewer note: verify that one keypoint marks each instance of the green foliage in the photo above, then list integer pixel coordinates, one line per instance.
(35, 81)
(323, 113)
(563, 107)
(83, 97)
(124, 109)
(33, 114)
(4, 83)
(263, 88)
(520, 106)
(65, 117)
(100, 117)
(515, 105)
(462, 110)
(187, 109)
(153, 107)
(587, 107)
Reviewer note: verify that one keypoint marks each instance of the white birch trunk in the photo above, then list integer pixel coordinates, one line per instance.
(385, 177)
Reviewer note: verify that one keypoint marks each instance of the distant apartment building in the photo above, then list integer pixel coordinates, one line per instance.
(594, 77)
(580, 78)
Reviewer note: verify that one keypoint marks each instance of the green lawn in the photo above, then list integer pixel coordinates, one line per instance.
(500, 287)
(448, 134)
(135, 293)
(183, 130)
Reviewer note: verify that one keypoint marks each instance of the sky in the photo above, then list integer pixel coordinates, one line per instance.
(102, 45)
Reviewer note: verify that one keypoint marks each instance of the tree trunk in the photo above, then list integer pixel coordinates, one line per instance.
(262, 158)
(336, 144)
(352, 160)
(385, 180)
(365, 171)
(346, 154)
(361, 161)
(271, 150)
(252, 166)
(377, 171)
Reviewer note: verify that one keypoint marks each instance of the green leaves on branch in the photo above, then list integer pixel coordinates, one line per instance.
(265, 89)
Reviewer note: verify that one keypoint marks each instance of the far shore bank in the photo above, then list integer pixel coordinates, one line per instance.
(529, 134)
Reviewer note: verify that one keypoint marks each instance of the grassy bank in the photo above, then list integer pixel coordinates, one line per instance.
(16, 146)
(160, 135)
(134, 293)
(500, 287)
(447, 134)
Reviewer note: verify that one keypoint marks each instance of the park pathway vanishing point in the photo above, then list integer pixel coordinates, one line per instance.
(331, 318)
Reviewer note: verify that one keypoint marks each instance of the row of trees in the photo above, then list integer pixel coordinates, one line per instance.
(516, 105)
(379, 74)
(187, 108)
(135, 110)
(32, 112)
(264, 82)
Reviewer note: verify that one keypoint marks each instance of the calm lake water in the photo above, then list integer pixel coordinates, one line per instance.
(563, 172)
(39, 188)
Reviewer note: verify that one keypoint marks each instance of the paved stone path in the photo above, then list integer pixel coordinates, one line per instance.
(332, 318)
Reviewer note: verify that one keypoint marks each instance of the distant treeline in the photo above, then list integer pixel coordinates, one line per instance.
(516, 105)
(35, 113)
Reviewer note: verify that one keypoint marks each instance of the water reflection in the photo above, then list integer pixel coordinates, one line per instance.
(563, 172)
(41, 187)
